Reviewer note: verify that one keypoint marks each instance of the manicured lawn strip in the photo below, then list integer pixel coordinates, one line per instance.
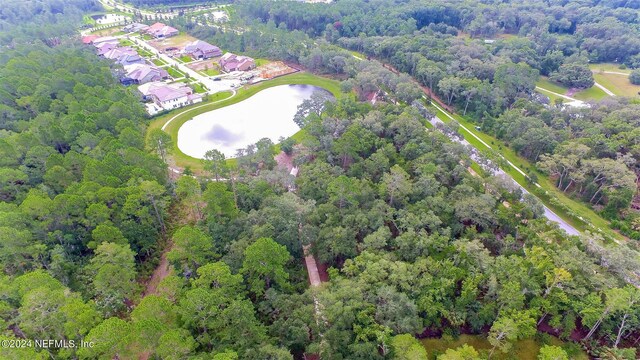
(174, 73)
(158, 62)
(183, 160)
(142, 52)
(185, 58)
(197, 87)
(125, 42)
(564, 206)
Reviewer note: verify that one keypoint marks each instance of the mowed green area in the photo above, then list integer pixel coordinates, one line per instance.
(567, 208)
(593, 93)
(219, 100)
(608, 67)
(522, 350)
(618, 84)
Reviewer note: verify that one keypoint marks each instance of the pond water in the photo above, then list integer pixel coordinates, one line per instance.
(267, 114)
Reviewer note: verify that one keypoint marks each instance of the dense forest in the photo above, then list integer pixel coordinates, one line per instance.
(41, 20)
(444, 46)
(416, 242)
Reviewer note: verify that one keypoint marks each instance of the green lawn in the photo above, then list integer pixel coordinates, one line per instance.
(522, 349)
(147, 37)
(567, 208)
(198, 88)
(618, 84)
(185, 58)
(125, 42)
(158, 62)
(608, 67)
(260, 62)
(592, 93)
(143, 52)
(174, 73)
(184, 114)
(545, 83)
(210, 72)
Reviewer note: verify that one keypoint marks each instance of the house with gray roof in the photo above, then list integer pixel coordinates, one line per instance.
(201, 50)
(161, 31)
(231, 62)
(124, 56)
(169, 96)
(143, 73)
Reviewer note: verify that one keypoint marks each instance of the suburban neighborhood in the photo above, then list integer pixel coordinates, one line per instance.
(172, 69)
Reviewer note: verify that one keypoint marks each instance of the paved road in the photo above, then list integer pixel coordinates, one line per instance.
(574, 101)
(475, 156)
(211, 85)
(607, 91)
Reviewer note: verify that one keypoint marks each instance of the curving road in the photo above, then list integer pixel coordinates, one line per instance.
(475, 155)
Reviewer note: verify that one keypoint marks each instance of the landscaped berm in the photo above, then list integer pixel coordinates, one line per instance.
(174, 120)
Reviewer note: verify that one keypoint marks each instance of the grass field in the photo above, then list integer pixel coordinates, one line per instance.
(608, 67)
(618, 84)
(522, 350)
(183, 115)
(593, 93)
(567, 208)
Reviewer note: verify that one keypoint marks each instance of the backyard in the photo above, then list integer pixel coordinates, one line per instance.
(178, 41)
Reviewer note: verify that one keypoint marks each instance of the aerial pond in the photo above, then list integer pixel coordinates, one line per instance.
(268, 113)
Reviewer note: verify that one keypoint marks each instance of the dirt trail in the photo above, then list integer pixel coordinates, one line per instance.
(161, 271)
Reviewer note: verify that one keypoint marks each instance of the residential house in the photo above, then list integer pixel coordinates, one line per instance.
(232, 62)
(142, 74)
(89, 39)
(201, 50)
(105, 47)
(135, 27)
(124, 56)
(169, 96)
(103, 39)
(161, 31)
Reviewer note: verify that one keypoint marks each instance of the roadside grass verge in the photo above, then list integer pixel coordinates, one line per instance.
(567, 208)
(176, 74)
(158, 62)
(197, 87)
(183, 115)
